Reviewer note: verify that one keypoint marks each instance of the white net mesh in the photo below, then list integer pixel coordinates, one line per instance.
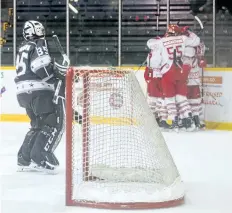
(118, 153)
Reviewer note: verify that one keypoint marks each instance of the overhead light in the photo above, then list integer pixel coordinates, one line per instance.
(72, 8)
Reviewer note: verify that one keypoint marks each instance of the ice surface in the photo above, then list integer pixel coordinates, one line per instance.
(204, 160)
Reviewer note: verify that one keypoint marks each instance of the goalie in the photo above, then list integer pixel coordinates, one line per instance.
(36, 81)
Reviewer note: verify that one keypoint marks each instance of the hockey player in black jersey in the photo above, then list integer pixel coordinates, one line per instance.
(36, 82)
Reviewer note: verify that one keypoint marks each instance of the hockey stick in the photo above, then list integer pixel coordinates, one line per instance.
(200, 22)
(141, 66)
(65, 63)
(202, 76)
(58, 44)
(61, 67)
(66, 60)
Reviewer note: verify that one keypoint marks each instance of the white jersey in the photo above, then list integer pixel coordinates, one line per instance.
(194, 74)
(154, 58)
(192, 55)
(200, 49)
(163, 50)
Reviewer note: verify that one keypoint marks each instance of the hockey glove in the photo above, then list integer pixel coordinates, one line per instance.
(202, 63)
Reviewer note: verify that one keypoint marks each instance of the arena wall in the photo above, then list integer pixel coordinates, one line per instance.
(217, 93)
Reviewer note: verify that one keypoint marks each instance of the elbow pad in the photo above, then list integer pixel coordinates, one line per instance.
(42, 67)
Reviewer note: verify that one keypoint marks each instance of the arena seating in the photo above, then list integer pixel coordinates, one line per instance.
(94, 30)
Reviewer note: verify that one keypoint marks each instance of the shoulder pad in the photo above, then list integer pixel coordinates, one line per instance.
(39, 42)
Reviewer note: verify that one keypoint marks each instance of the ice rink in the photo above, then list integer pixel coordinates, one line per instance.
(204, 160)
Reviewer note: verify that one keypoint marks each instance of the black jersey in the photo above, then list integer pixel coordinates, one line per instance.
(34, 67)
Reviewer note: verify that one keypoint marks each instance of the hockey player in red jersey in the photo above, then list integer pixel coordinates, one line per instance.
(169, 51)
(155, 97)
(194, 82)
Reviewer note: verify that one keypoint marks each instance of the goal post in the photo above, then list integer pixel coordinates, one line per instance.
(117, 158)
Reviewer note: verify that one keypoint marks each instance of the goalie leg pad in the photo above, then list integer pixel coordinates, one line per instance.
(24, 158)
(49, 137)
(44, 143)
(51, 161)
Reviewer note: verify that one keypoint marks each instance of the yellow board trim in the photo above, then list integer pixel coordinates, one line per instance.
(137, 68)
(9, 68)
(218, 125)
(216, 69)
(111, 121)
(93, 119)
(14, 118)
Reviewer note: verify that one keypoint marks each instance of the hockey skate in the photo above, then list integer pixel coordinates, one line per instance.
(158, 121)
(25, 165)
(47, 168)
(175, 125)
(32, 167)
(44, 167)
(202, 125)
(49, 165)
(199, 125)
(188, 123)
(164, 126)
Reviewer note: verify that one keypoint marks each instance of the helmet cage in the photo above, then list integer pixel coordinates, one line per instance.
(33, 30)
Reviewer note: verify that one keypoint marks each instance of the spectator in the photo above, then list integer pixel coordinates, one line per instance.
(201, 6)
(206, 6)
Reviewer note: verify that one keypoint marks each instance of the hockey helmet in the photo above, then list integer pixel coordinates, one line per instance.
(33, 30)
(173, 30)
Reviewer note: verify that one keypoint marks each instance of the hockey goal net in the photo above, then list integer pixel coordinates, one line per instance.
(118, 157)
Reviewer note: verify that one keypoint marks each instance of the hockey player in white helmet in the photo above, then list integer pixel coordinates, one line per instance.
(36, 82)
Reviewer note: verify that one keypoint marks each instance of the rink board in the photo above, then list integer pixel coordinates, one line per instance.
(217, 98)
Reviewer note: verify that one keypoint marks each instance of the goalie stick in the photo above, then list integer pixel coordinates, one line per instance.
(59, 47)
(61, 67)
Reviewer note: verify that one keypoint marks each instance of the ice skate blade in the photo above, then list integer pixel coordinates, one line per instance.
(176, 130)
(169, 130)
(199, 129)
(49, 171)
(191, 129)
(38, 169)
(30, 168)
(165, 130)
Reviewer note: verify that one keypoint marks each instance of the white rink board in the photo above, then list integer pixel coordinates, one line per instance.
(218, 97)
(8, 100)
